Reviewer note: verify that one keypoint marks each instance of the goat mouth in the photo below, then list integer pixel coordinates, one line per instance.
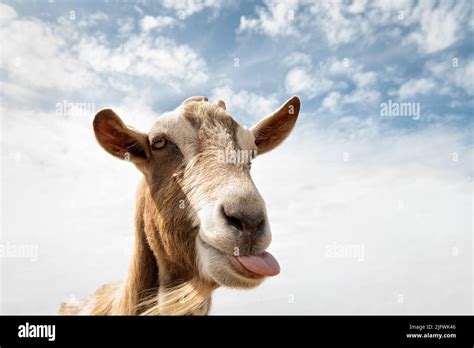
(241, 270)
(250, 266)
(263, 264)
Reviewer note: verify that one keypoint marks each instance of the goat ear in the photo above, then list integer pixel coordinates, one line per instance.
(119, 140)
(273, 129)
(195, 99)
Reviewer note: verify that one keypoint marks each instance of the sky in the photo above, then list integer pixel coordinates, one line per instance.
(380, 163)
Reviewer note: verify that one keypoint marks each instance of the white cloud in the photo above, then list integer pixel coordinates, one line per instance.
(340, 67)
(440, 24)
(160, 22)
(432, 26)
(92, 20)
(17, 92)
(312, 81)
(307, 82)
(39, 59)
(331, 101)
(62, 58)
(190, 7)
(275, 19)
(357, 6)
(125, 26)
(450, 76)
(160, 59)
(361, 22)
(362, 96)
(303, 78)
(298, 58)
(246, 104)
(464, 77)
(336, 103)
(390, 7)
(331, 17)
(7, 13)
(414, 87)
(365, 79)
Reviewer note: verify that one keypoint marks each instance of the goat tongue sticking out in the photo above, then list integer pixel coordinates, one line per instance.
(263, 264)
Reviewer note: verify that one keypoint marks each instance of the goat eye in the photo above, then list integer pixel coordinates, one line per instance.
(158, 143)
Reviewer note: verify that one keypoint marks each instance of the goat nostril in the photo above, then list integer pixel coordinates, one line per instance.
(244, 222)
(233, 221)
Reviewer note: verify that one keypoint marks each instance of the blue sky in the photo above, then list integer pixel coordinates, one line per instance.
(157, 54)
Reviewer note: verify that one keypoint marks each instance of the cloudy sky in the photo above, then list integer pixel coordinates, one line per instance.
(396, 189)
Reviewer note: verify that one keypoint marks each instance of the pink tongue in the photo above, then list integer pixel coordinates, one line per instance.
(263, 264)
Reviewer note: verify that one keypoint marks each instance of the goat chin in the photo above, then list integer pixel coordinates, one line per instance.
(214, 266)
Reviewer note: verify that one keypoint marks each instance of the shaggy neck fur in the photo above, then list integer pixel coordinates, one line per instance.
(160, 280)
(155, 285)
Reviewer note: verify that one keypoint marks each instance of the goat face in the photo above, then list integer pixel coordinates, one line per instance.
(208, 217)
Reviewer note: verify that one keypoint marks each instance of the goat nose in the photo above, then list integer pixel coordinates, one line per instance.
(244, 221)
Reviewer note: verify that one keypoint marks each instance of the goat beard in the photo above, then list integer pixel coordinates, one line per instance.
(189, 298)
